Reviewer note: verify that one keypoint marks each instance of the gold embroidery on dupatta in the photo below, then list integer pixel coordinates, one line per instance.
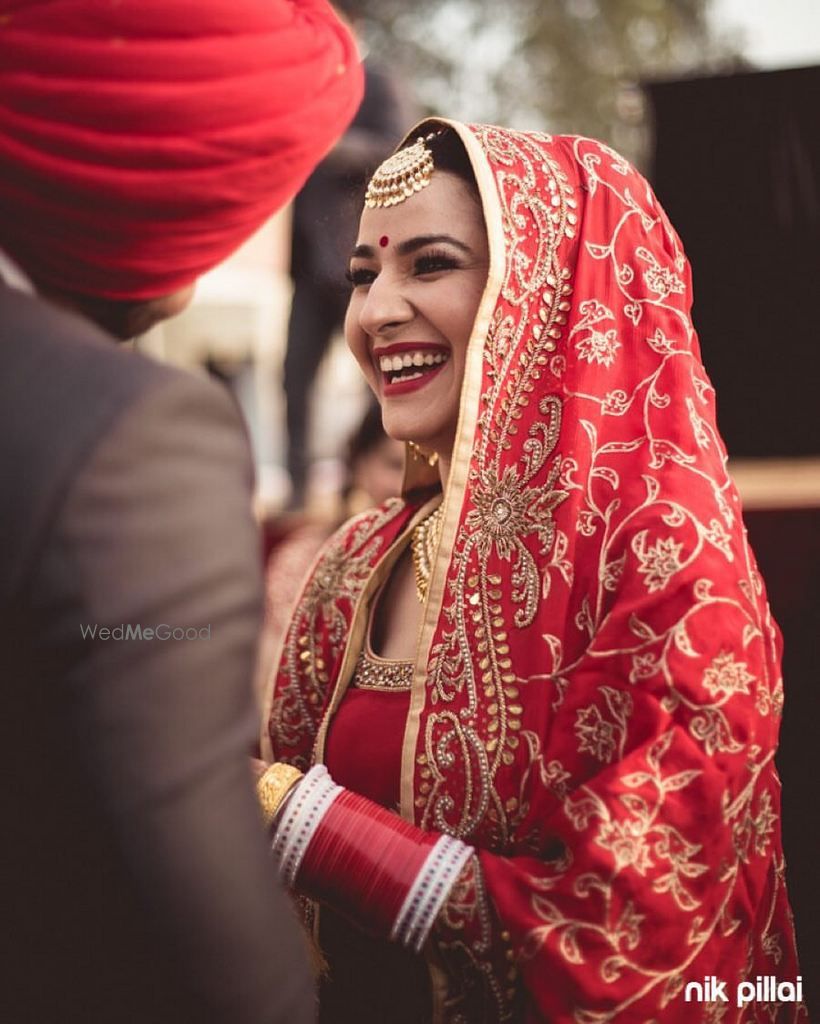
(509, 509)
(340, 575)
(471, 722)
(481, 978)
(635, 830)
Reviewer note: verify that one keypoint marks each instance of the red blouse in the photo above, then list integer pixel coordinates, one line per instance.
(364, 743)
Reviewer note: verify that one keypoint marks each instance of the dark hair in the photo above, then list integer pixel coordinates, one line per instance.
(367, 436)
(350, 8)
(449, 155)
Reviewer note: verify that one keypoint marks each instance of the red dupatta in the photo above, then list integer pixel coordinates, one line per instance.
(597, 694)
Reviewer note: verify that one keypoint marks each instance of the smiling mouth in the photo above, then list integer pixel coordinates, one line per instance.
(413, 364)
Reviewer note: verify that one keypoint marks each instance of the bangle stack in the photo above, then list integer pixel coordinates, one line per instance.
(364, 861)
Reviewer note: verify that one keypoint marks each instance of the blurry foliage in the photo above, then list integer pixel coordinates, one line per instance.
(556, 65)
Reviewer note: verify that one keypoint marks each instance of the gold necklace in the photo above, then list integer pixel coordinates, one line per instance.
(424, 544)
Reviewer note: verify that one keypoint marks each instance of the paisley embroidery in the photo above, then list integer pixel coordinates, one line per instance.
(509, 528)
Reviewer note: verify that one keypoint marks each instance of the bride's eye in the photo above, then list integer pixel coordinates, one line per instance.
(360, 276)
(432, 262)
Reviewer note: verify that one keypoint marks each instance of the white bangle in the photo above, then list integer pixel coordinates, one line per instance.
(430, 889)
(311, 800)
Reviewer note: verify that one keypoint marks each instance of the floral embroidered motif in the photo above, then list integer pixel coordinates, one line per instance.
(626, 840)
(599, 347)
(505, 512)
(712, 729)
(660, 280)
(725, 675)
(596, 735)
(603, 737)
(752, 833)
(658, 562)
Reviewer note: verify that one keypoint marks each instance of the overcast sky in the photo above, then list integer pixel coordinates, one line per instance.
(777, 33)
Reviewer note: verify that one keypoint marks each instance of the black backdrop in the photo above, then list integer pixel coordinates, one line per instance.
(737, 167)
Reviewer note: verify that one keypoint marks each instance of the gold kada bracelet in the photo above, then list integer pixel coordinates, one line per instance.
(272, 788)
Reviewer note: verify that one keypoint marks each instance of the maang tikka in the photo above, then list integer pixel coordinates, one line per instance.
(401, 175)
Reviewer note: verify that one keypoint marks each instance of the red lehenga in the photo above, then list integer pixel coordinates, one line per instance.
(597, 696)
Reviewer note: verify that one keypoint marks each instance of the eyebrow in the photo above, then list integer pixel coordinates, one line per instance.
(411, 245)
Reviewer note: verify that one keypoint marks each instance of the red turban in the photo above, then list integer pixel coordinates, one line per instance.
(141, 141)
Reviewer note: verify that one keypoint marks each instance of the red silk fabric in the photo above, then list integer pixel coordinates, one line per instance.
(601, 692)
(141, 141)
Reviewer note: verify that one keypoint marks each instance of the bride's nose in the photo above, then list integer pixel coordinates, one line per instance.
(386, 307)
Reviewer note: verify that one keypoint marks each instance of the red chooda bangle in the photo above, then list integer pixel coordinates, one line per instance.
(379, 870)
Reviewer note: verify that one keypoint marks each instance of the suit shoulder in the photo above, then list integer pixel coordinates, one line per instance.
(52, 351)
(65, 386)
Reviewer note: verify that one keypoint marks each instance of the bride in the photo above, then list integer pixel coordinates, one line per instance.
(523, 724)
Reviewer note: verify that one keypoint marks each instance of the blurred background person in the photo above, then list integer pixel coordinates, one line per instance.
(140, 143)
(325, 214)
(374, 466)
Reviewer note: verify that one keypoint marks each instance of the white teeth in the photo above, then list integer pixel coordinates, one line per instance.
(393, 364)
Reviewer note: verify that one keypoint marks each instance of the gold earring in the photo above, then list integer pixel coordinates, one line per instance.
(417, 453)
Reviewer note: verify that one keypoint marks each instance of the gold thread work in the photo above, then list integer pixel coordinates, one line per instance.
(374, 673)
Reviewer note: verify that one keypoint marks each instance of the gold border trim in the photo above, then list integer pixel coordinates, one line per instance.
(359, 621)
(456, 485)
(266, 701)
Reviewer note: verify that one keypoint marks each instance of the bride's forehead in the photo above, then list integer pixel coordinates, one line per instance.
(442, 206)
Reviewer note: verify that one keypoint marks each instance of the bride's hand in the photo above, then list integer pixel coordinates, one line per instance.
(258, 769)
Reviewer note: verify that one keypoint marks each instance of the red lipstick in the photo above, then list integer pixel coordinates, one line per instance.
(403, 387)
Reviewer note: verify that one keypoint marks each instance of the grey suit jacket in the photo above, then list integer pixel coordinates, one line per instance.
(136, 884)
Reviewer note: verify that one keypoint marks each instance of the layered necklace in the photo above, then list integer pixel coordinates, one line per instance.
(424, 544)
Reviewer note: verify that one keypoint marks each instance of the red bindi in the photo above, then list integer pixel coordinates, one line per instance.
(384, 241)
